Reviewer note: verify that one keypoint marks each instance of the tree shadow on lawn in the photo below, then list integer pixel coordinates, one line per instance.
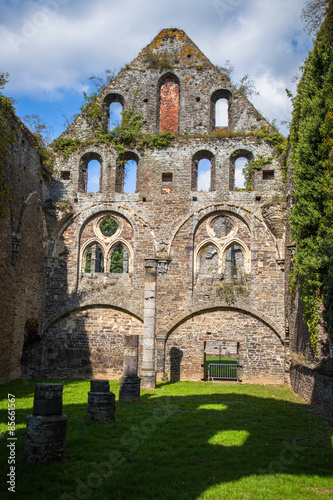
(180, 446)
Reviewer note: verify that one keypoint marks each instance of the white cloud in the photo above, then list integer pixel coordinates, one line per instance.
(51, 46)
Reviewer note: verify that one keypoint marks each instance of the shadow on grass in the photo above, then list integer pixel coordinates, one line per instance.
(179, 446)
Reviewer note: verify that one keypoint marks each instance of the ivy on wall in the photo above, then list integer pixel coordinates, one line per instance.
(122, 138)
(311, 219)
(8, 136)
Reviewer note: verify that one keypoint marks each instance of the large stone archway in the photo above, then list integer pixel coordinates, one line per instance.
(88, 342)
(260, 350)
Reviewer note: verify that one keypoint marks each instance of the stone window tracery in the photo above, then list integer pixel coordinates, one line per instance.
(222, 255)
(106, 251)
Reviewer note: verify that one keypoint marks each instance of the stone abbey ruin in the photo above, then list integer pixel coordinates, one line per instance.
(187, 269)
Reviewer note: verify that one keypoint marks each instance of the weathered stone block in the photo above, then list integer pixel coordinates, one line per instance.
(48, 399)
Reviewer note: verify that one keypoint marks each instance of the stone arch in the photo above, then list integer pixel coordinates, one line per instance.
(198, 252)
(260, 351)
(129, 249)
(83, 170)
(246, 253)
(197, 157)
(77, 305)
(168, 103)
(85, 248)
(170, 327)
(244, 214)
(216, 96)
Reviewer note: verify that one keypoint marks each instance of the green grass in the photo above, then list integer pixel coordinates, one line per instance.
(186, 440)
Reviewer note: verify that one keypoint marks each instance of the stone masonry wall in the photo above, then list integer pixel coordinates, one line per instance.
(260, 352)
(21, 274)
(170, 83)
(88, 343)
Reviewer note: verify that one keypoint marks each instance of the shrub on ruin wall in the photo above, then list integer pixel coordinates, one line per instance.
(311, 219)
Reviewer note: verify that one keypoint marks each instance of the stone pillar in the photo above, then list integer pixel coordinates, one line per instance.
(101, 402)
(148, 373)
(129, 384)
(46, 428)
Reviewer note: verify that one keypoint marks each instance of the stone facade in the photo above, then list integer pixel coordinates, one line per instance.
(218, 252)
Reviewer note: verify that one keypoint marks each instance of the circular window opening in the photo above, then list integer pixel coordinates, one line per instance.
(222, 226)
(108, 227)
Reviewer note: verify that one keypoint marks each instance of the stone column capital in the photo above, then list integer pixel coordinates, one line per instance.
(151, 262)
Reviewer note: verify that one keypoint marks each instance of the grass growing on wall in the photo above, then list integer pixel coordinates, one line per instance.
(188, 440)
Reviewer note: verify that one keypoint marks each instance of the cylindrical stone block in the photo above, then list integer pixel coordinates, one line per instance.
(130, 363)
(99, 386)
(101, 406)
(48, 399)
(46, 438)
(129, 389)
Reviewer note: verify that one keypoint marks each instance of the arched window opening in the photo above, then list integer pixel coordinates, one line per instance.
(113, 106)
(90, 173)
(208, 261)
(130, 169)
(221, 113)
(204, 175)
(169, 104)
(94, 261)
(119, 262)
(115, 111)
(234, 263)
(93, 176)
(126, 173)
(240, 164)
(220, 101)
(203, 171)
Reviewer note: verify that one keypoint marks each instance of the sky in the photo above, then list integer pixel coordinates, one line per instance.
(51, 47)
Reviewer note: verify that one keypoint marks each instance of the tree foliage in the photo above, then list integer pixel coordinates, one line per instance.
(312, 165)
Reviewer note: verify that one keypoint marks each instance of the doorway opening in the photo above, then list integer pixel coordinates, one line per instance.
(220, 360)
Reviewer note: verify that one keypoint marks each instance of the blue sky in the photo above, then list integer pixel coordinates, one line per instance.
(51, 47)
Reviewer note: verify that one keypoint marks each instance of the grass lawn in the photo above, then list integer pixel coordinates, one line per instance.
(186, 440)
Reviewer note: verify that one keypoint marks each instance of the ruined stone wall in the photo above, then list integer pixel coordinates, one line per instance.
(168, 218)
(21, 272)
(315, 387)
